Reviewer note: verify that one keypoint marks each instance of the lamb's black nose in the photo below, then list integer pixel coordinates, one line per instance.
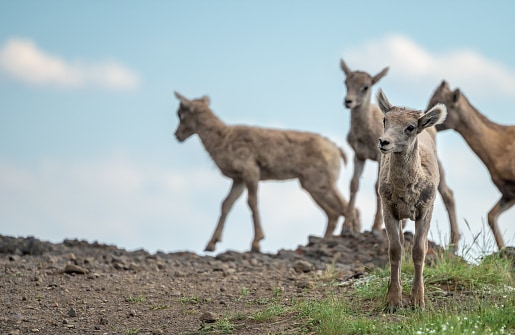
(383, 143)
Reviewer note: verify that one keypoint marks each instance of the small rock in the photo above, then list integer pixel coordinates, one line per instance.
(103, 321)
(72, 312)
(305, 284)
(303, 266)
(14, 258)
(208, 317)
(71, 268)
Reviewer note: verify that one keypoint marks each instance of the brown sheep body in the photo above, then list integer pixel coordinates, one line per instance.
(249, 154)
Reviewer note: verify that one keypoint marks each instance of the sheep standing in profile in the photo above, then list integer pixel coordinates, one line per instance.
(250, 154)
(409, 178)
(493, 143)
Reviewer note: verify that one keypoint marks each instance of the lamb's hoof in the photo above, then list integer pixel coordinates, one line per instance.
(378, 233)
(347, 232)
(390, 308)
(210, 247)
(255, 248)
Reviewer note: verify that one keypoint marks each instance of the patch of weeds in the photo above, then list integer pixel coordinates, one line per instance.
(190, 300)
(278, 292)
(268, 313)
(239, 316)
(132, 331)
(243, 292)
(135, 299)
(222, 326)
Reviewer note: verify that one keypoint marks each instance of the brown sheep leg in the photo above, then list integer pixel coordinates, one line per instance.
(251, 181)
(418, 254)
(235, 192)
(378, 219)
(351, 221)
(448, 200)
(395, 249)
(502, 205)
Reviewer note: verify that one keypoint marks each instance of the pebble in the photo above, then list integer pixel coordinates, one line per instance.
(208, 317)
(74, 269)
(72, 312)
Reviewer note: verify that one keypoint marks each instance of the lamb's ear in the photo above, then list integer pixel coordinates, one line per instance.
(206, 100)
(380, 75)
(344, 67)
(456, 95)
(181, 98)
(432, 117)
(383, 102)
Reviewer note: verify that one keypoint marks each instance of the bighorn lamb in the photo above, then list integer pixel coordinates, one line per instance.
(409, 178)
(493, 143)
(250, 154)
(365, 129)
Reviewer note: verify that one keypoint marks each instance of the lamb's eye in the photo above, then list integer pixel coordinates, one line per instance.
(410, 128)
(365, 88)
(384, 122)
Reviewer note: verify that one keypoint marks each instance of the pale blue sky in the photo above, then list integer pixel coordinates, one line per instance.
(87, 111)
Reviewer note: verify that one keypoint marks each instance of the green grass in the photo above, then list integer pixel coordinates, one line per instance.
(135, 299)
(462, 297)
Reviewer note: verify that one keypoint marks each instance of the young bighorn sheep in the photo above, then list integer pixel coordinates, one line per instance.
(493, 143)
(365, 128)
(250, 154)
(409, 178)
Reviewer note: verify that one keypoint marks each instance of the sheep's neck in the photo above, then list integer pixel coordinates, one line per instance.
(360, 115)
(405, 166)
(212, 132)
(480, 133)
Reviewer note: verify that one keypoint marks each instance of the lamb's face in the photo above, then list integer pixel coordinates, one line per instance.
(359, 85)
(451, 100)
(187, 121)
(189, 113)
(401, 127)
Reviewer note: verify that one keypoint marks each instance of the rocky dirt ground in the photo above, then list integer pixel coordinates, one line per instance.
(76, 287)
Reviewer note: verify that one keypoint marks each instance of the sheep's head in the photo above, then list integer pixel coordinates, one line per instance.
(188, 113)
(402, 125)
(452, 100)
(359, 85)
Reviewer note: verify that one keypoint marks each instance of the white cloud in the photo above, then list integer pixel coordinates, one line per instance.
(411, 63)
(23, 60)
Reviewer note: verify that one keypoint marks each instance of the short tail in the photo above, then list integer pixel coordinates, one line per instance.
(344, 156)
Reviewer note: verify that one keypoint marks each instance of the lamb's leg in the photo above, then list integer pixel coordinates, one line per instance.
(333, 205)
(448, 199)
(502, 205)
(351, 221)
(378, 219)
(235, 192)
(418, 254)
(323, 190)
(395, 249)
(251, 177)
